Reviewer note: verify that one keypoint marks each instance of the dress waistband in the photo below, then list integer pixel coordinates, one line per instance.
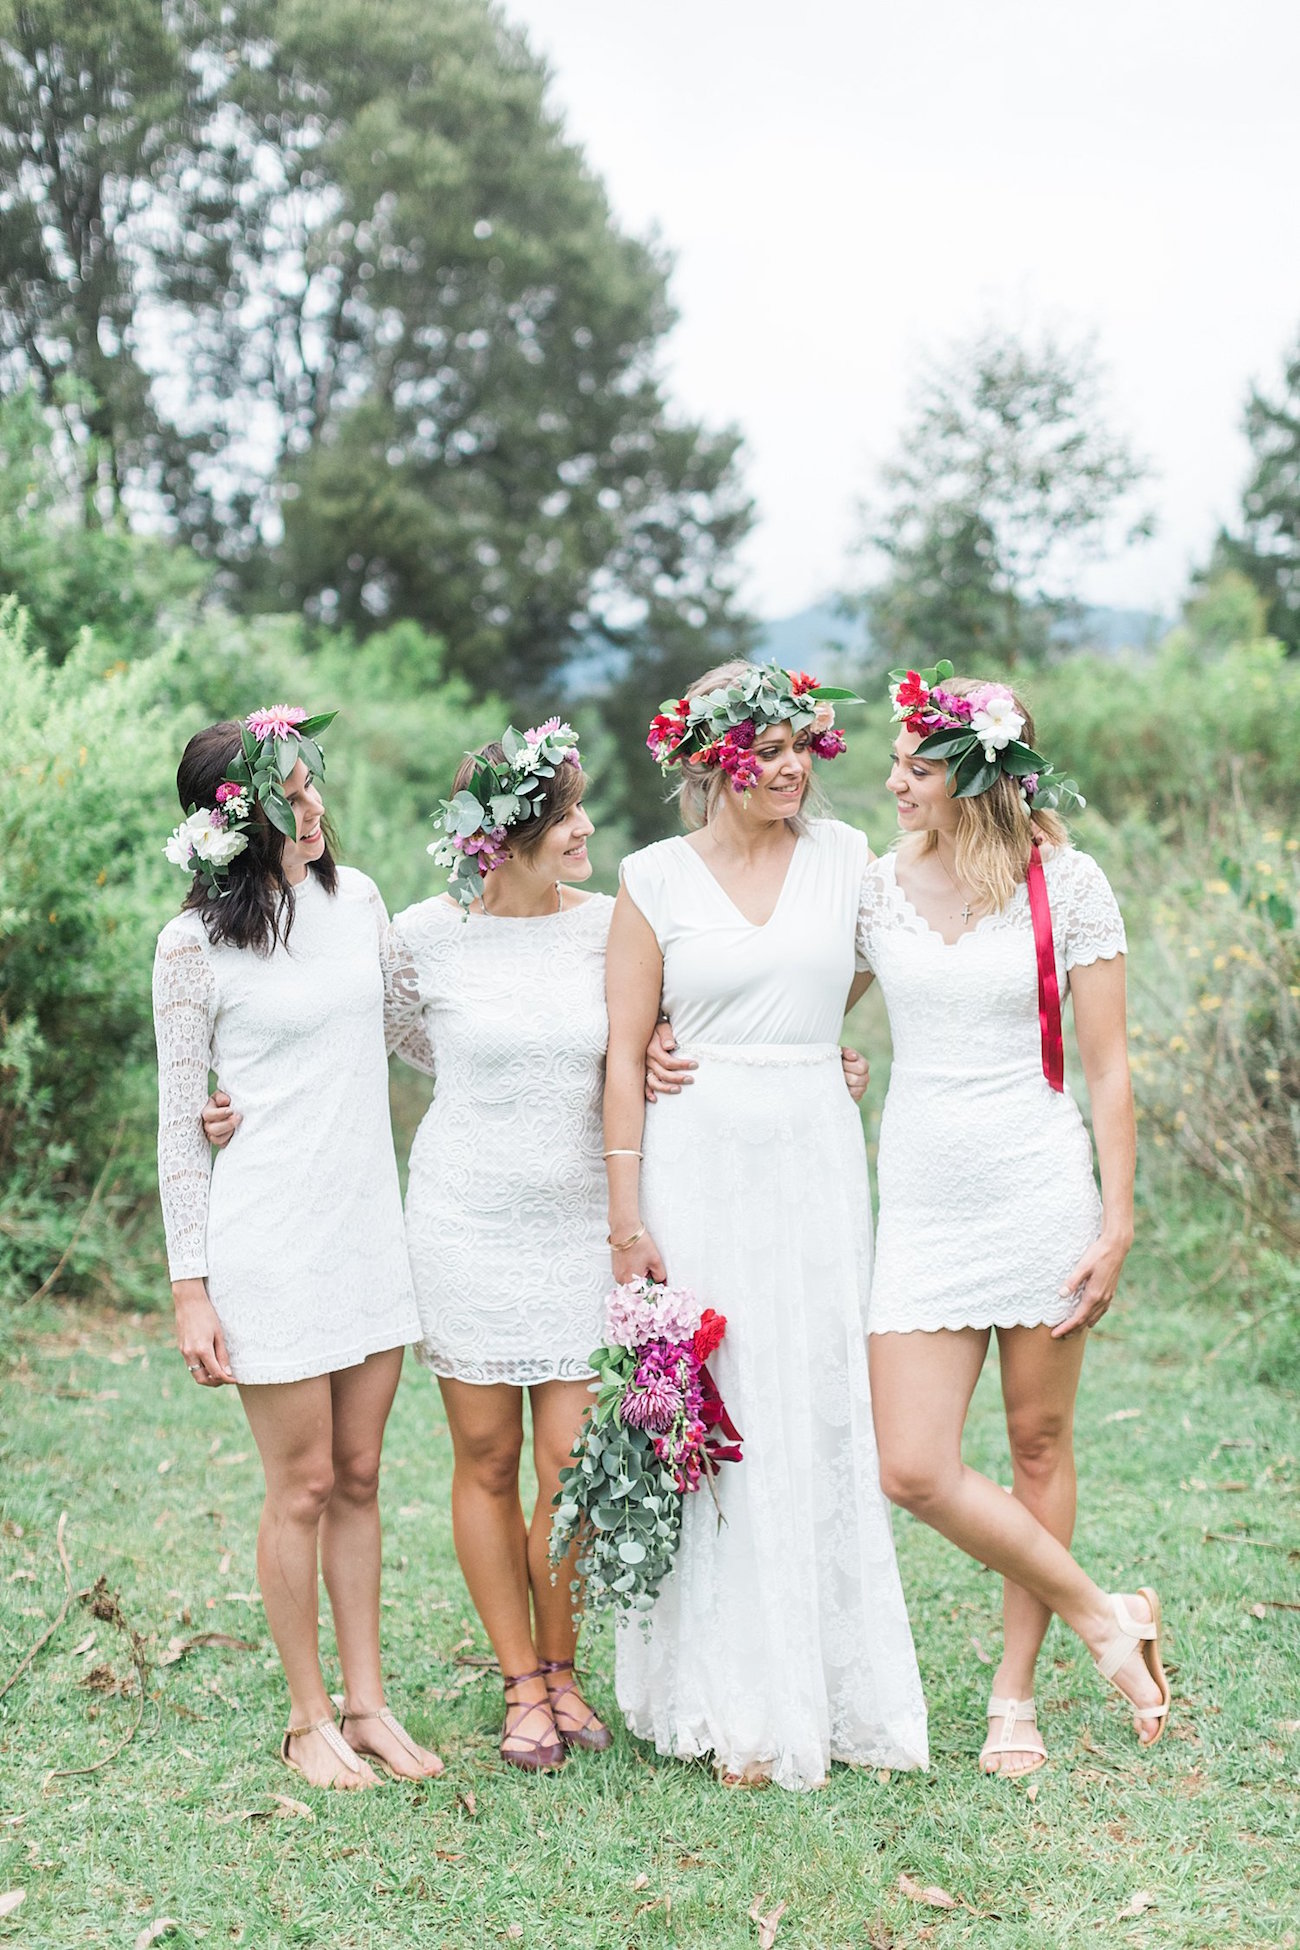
(774, 1055)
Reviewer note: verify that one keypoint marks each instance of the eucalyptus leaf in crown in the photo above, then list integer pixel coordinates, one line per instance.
(474, 822)
(978, 737)
(718, 728)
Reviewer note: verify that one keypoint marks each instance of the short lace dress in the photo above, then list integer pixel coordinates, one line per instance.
(505, 1202)
(297, 1226)
(985, 1176)
(781, 1638)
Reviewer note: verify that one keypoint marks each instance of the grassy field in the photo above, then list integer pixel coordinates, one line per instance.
(1189, 1473)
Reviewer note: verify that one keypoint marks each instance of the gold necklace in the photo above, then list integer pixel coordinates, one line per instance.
(966, 910)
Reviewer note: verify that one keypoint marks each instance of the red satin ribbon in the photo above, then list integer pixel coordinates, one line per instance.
(1049, 994)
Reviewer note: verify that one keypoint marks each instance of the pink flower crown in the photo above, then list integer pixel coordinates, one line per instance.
(718, 728)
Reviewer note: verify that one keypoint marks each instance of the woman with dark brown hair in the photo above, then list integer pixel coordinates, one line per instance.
(502, 979)
(287, 1257)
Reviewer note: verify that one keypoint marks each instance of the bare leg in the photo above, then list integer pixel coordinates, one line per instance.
(351, 1553)
(292, 1426)
(487, 1434)
(1040, 1379)
(558, 1408)
(921, 1385)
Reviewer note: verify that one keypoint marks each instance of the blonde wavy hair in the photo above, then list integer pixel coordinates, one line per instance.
(698, 788)
(993, 829)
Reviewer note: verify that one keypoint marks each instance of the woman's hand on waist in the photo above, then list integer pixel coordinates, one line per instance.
(665, 1072)
(219, 1120)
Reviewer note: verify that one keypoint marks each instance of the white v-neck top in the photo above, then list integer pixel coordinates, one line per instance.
(728, 981)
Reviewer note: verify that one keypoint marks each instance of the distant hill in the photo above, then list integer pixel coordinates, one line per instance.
(819, 639)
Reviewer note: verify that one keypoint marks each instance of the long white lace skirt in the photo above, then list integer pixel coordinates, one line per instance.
(781, 1638)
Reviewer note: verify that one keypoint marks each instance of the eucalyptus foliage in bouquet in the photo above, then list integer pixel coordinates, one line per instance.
(656, 1430)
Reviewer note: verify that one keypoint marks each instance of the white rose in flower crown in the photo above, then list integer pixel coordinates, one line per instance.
(219, 846)
(179, 848)
(996, 723)
(823, 719)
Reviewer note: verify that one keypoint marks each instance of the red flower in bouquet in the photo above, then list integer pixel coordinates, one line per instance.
(709, 1333)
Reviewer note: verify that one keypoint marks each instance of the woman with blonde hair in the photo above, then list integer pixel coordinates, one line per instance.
(780, 1642)
(975, 926)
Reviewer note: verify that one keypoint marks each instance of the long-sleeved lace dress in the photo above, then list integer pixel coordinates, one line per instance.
(505, 1200)
(297, 1226)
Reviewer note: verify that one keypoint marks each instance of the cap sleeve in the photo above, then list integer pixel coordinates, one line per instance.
(643, 876)
(871, 907)
(1092, 928)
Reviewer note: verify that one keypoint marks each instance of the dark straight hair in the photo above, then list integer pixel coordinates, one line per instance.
(256, 908)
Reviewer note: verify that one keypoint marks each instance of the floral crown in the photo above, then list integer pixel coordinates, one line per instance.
(271, 743)
(979, 737)
(475, 820)
(718, 729)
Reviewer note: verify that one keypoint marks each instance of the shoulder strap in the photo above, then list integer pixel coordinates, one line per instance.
(1049, 994)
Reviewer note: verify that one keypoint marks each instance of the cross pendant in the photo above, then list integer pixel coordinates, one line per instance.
(965, 913)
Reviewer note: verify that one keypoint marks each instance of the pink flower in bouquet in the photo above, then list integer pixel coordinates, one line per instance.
(640, 1311)
(653, 1404)
(276, 721)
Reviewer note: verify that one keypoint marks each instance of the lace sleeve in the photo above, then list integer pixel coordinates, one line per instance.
(184, 1008)
(1094, 928)
(406, 1025)
(870, 909)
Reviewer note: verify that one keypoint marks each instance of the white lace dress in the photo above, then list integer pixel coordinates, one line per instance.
(505, 1202)
(780, 1639)
(987, 1195)
(297, 1227)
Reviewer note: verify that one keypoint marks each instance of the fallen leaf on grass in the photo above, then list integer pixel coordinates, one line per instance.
(288, 1806)
(468, 1803)
(11, 1900)
(247, 1814)
(178, 1647)
(1138, 1902)
(642, 1881)
(879, 1937)
(932, 1894)
(1123, 1415)
(1289, 1726)
(515, 1931)
(767, 1925)
(1273, 1604)
(1031, 1790)
(83, 1646)
(450, 1854)
(163, 1468)
(984, 1658)
(161, 1927)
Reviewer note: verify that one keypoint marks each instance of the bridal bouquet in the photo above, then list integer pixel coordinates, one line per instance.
(656, 1430)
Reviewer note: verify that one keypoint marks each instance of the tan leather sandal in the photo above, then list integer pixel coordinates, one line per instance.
(404, 1741)
(1135, 1633)
(1004, 1739)
(337, 1745)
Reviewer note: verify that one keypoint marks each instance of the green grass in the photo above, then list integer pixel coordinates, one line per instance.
(628, 1852)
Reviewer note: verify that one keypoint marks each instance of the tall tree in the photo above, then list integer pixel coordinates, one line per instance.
(1267, 548)
(102, 110)
(1006, 480)
(450, 350)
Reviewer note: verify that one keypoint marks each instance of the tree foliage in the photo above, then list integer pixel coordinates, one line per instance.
(1006, 479)
(1267, 547)
(326, 283)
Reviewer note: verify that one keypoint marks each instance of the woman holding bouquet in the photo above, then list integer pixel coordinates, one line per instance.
(287, 1258)
(780, 1641)
(989, 1216)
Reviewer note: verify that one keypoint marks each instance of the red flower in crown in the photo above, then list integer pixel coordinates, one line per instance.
(911, 694)
(667, 731)
(800, 682)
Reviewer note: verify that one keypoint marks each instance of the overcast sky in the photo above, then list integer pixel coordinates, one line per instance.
(844, 181)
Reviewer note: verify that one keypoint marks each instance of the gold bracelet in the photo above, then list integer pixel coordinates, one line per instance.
(620, 1154)
(622, 1245)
